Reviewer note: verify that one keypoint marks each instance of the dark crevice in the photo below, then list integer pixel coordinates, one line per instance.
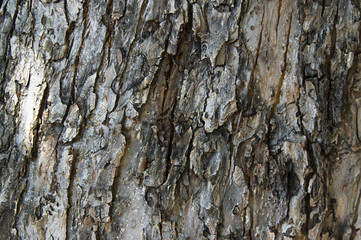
(151, 98)
(306, 209)
(5, 59)
(109, 40)
(170, 142)
(69, 31)
(168, 109)
(98, 234)
(160, 228)
(245, 6)
(231, 158)
(66, 11)
(20, 202)
(323, 7)
(167, 78)
(7, 144)
(124, 9)
(169, 101)
(188, 152)
(69, 211)
(328, 59)
(43, 106)
(129, 53)
(77, 57)
(117, 175)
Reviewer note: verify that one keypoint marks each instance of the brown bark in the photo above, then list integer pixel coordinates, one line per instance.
(176, 119)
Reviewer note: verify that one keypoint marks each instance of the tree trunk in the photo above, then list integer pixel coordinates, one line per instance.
(180, 119)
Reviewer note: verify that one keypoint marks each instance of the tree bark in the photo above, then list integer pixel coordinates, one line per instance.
(180, 119)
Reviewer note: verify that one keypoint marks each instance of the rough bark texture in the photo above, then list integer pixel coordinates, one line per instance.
(176, 119)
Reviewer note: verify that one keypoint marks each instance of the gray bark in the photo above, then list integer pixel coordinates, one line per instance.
(176, 119)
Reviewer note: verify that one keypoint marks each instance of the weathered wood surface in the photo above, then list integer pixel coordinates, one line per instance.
(176, 119)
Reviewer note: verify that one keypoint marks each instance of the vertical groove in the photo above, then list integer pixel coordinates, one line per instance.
(70, 211)
(77, 57)
(129, 53)
(328, 64)
(5, 59)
